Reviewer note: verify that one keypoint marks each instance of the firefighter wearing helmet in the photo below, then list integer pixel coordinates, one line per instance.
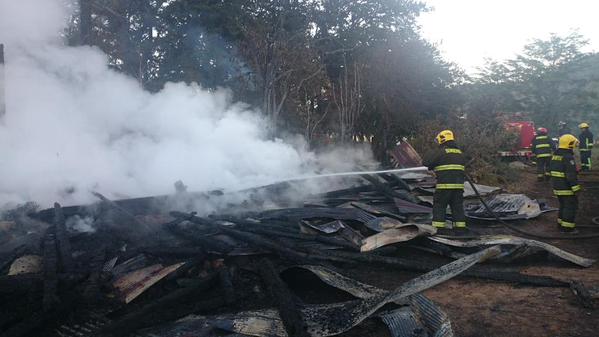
(565, 183)
(586, 145)
(447, 161)
(541, 150)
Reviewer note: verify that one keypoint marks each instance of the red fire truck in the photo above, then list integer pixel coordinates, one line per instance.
(524, 134)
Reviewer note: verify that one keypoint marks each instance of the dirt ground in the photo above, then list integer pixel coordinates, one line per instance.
(481, 308)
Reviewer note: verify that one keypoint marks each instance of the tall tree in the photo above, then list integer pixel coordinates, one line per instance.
(545, 80)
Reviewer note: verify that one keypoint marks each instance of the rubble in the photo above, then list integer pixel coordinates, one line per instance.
(149, 268)
(508, 207)
(524, 247)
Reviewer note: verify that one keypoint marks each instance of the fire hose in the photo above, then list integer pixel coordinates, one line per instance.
(521, 231)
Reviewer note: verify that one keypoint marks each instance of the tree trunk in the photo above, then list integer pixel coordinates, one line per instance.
(85, 22)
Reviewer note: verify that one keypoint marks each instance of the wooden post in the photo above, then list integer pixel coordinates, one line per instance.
(2, 83)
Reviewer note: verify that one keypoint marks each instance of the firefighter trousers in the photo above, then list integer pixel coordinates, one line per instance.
(455, 200)
(543, 171)
(568, 205)
(585, 160)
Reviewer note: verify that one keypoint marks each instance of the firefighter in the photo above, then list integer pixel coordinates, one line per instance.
(586, 145)
(447, 161)
(565, 184)
(541, 149)
(562, 128)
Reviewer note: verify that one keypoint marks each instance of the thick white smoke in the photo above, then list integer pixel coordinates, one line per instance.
(73, 125)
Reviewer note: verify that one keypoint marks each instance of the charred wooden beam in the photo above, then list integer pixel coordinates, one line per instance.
(226, 283)
(583, 295)
(121, 210)
(478, 271)
(62, 240)
(336, 213)
(184, 270)
(16, 308)
(26, 326)
(172, 306)
(392, 178)
(299, 236)
(388, 191)
(39, 321)
(50, 262)
(20, 283)
(347, 191)
(174, 252)
(299, 256)
(191, 217)
(91, 290)
(273, 246)
(286, 302)
(263, 242)
(195, 237)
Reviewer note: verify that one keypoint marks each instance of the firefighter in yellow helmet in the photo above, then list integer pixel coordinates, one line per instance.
(447, 161)
(565, 183)
(586, 146)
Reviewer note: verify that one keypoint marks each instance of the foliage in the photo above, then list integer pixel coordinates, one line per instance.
(342, 70)
(551, 80)
(479, 138)
(328, 69)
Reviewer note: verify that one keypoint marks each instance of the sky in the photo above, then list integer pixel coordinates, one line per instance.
(468, 31)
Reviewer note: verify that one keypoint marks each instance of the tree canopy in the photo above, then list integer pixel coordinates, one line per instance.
(551, 80)
(327, 69)
(340, 70)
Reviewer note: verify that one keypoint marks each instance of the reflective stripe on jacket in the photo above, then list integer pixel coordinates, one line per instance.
(448, 163)
(563, 173)
(541, 146)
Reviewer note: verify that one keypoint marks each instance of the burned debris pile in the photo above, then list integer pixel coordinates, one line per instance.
(153, 267)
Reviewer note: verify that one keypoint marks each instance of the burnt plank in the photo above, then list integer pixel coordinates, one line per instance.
(197, 237)
(478, 271)
(62, 240)
(582, 294)
(26, 326)
(20, 283)
(174, 305)
(224, 276)
(259, 241)
(268, 244)
(50, 262)
(287, 303)
(126, 214)
(388, 191)
(91, 287)
(174, 252)
(300, 236)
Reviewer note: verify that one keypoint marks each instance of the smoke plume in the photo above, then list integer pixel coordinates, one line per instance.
(73, 125)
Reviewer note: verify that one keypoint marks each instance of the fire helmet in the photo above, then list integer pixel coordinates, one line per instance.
(444, 136)
(542, 131)
(584, 125)
(568, 142)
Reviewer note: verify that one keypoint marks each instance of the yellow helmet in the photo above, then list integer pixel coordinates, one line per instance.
(584, 125)
(568, 142)
(444, 136)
